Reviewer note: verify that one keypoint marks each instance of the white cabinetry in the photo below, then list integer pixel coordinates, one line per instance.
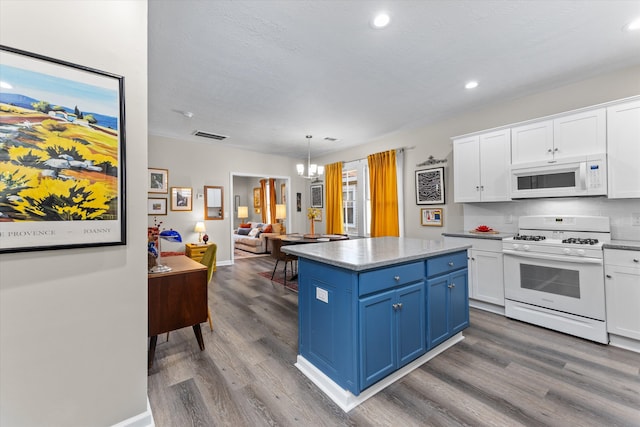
(481, 167)
(486, 280)
(623, 139)
(622, 287)
(574, 135)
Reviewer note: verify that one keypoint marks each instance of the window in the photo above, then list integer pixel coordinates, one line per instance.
(355, 198)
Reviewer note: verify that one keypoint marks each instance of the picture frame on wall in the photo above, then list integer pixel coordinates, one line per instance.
(431, 217)
(70, 191)
(298, 202)
(156, 206)
(316, 195)
(430, 188)
(181, 198)
(283, 193)
(157, 180)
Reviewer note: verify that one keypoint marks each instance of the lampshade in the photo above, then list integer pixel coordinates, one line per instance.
(281, 211)
(199, 228)
(243, 212)
(170, 236)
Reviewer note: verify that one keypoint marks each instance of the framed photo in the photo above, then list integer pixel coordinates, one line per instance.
(181, 198)
(316, 195)
(430, 187)
(283, 193)
(157, 180)
(431, 217)
(298, 202)
(318, 217)
(156, 206)
(63, 173)
(236, 203)
(256, 197)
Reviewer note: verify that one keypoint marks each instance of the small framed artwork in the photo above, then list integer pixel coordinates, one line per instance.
(318, 217)
(156, 206)
(298, 202)
(181, 198)
(256, 197)
(430, 187)
(236, 203)
(431, 217)
(158, 181)
(316, 196)
(283, 193)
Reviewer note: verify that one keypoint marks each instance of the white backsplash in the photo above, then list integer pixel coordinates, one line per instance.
(496, 215)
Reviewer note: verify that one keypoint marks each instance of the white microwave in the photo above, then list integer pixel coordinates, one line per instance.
(581, 176)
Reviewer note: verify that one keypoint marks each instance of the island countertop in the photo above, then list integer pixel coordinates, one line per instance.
(370, 253)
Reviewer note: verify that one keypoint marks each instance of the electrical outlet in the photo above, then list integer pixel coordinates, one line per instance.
(635, 218)
(508, 219)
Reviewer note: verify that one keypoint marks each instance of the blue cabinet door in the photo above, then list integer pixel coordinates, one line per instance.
(459, 301)
(377, 338)
(410, 316)
(437, 310)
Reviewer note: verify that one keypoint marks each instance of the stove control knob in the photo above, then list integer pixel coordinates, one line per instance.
(580, 252)
(516, 246)
(526, 247)
(566, 251)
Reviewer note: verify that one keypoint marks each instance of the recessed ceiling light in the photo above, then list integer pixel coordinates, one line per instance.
(381, 20)
(633, 25)
(471, 85)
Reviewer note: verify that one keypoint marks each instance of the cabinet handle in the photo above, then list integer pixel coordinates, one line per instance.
(477, 188)
(482, 188)
(396, 278)
(397, 306)
(608, 276)
(549, 150)
(453, 285)
(473, 259)
(555, 150)
(450, 263)
(636, 260)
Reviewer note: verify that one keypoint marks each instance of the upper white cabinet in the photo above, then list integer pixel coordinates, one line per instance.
(569, 136)
(481, 167)
(623, 134)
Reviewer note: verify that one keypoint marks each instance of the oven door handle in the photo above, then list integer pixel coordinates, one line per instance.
(551, 257)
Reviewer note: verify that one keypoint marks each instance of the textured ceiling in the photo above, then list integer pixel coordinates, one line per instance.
(266, 73)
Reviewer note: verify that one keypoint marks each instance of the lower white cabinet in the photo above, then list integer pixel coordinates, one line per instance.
(486, 277)
(622, 291)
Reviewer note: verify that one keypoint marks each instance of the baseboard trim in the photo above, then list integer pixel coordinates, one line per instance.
(624, 342)
(347, 400)
(144, 419)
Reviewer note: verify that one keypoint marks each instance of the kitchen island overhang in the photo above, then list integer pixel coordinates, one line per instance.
(372, 310)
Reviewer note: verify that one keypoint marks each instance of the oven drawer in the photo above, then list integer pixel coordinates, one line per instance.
(446, 263)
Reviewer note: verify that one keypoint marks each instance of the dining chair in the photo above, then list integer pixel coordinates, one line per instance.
(281, 256)
(209, 259)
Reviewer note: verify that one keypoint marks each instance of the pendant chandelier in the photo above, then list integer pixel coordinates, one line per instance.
(313, 171)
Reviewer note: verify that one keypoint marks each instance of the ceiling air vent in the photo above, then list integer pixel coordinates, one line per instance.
(209, 135)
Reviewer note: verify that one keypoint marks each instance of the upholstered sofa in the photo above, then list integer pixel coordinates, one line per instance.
(256, 240)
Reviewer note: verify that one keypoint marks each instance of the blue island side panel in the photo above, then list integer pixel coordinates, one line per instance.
(327, 329)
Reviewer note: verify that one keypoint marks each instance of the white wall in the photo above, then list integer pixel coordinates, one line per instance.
(73, 323)
(435, 139)
(196, 164)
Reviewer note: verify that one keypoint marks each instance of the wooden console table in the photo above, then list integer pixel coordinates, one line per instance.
(177, 299)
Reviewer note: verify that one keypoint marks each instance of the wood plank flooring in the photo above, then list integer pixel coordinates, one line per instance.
(505, 372)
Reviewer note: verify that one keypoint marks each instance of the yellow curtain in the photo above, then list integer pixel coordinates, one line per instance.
(334, 211)
(263, 201)
(272, 200)
(384, 194)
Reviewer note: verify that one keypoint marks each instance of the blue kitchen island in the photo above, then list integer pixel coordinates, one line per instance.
(372, 310)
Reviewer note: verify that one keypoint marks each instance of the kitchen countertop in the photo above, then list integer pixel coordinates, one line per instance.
(629, 245)
(370, 253)
(490, 236)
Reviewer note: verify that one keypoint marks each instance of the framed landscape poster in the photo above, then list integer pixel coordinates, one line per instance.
(181, 198)
(62, 178)
(157, 206)
(430, 187)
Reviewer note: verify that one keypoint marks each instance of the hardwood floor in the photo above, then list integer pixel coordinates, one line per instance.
(505, 372)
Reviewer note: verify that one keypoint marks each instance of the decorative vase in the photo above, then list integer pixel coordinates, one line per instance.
(312, 227)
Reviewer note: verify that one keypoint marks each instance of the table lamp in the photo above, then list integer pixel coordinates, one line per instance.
(171, 236)
(281, 215)
(243, 212)
(199, 228)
